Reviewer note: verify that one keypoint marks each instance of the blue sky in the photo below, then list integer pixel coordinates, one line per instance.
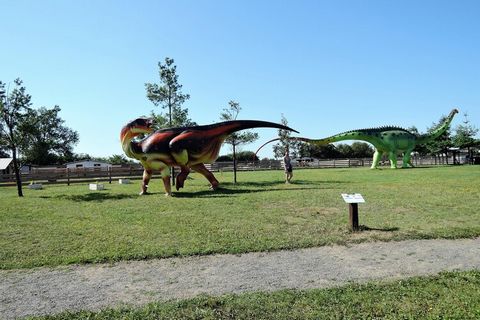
(328, 66)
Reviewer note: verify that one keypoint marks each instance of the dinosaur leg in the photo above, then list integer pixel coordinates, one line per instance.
(147, 174)
(166, 184)
(182, 176)
(200, 168)
(393, 159)
(376, 158)
(407, 159)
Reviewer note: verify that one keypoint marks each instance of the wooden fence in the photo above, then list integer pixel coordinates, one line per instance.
(79, 175)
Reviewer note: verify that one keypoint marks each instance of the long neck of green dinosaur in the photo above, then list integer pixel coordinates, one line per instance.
(126, 137)
(439, 130)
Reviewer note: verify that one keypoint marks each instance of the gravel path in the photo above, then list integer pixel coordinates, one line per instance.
(51, 290)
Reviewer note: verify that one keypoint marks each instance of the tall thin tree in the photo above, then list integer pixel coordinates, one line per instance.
(168, 95)
(237, 138)
(285, 142)
(14, 107)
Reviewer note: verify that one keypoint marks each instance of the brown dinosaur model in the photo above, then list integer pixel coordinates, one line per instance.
(186, 147)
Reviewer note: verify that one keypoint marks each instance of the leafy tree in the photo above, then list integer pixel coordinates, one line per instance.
(465, 137)
(49, 140)
(362, 150)
(14, 107)
(328, 151)
(118, 159)
(168, 95)
(344, 150)
(442, 143)
(236, 138)
(240, 156)
(285, 142)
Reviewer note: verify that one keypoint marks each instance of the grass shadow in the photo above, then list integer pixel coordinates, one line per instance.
(223, 192)
(93, 196)
(367, 228)
(261, 184)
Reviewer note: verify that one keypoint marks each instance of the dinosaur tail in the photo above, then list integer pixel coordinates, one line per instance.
(229, 127)
(290, 138)
(441, 128)
(349, 135)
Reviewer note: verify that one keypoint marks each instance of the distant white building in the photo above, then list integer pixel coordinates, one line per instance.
(5, 165)
(83, 164)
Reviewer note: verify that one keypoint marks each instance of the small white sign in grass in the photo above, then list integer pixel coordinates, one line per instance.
(96, 186)
(123, 181)
(35, 186)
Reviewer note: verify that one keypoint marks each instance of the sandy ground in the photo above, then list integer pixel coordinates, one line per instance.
(43, 291)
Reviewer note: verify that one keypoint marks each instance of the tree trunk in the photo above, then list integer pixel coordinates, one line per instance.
(17, 172)
(234, 164)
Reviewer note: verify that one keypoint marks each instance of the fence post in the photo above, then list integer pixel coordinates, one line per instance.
(68, 176)
(110, 175)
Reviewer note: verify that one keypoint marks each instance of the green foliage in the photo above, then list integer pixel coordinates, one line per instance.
(241, 156)
(341, 150)
(362, 150)
(442, 143)
(49, 140)
(68, 224)
(236, 138)
(286, 143)
(168, 95)
(465, 134)
(114, 159)
(449, 295)
(14, 107)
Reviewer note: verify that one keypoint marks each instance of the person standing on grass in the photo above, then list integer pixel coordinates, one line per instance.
(287, 165)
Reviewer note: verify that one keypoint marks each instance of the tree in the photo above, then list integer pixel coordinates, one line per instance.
(168, 94)
(328, 151)
(237, 138)
(465, 137)
(362, 150)
(49, 140)
(14, 107)
(344, 150)
(119, 159)
(442, 143)
(285, 142)
(240, 156)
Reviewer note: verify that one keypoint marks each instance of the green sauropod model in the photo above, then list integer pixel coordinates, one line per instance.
(388, 140)
(391, 140)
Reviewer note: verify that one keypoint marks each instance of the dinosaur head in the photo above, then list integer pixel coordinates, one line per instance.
(140, 125)
(136, 127)
(454, 112)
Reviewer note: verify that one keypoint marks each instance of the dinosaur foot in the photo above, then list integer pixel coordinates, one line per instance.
(180, 181)
(214, 186)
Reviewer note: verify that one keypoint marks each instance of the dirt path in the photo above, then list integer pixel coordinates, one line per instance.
(48, 291)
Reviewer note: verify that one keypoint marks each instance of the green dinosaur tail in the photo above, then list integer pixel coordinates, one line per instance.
(361, 134)
(439, 130)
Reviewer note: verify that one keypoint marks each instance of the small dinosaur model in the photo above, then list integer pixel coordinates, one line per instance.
(186, 147)
(388, 140)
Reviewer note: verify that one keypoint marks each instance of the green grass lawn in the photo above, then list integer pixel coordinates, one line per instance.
(452, 295)
(70, 224)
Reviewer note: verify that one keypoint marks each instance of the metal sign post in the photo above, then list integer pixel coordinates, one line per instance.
(353, 200)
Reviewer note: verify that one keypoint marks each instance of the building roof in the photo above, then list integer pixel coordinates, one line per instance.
(4, 162)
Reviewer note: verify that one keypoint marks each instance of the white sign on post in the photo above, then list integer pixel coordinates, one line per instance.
(353, 198)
